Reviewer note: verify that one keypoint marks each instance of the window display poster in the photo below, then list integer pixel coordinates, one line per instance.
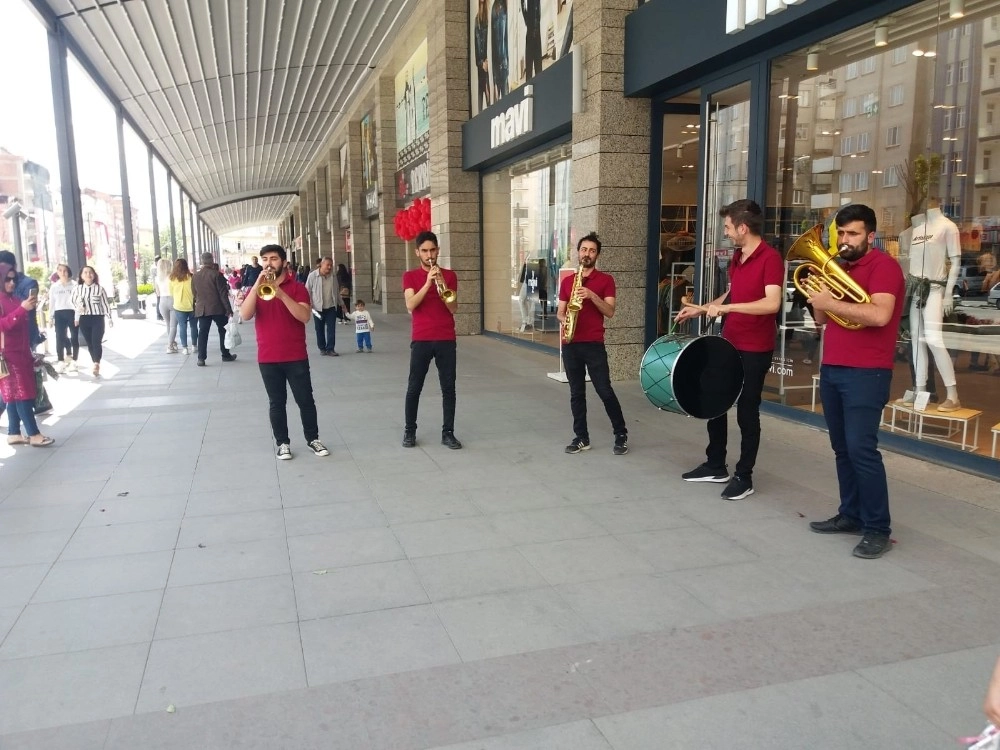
(513, 40)
(345, 206)
(369, 167)
(412, 128)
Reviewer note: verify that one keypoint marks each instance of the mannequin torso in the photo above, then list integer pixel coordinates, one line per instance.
(933, 240)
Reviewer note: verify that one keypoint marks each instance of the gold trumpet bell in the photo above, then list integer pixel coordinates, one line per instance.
(821, 265)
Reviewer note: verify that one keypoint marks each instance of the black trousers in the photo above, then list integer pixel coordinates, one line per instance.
(67, 334)
(326, 328)
(276, 375)
(755, 368)
(579, 359)
(92, 328)
(205, 327)
(445, 355)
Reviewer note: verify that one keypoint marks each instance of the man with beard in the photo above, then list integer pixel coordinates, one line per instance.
(586, 353)
(854, 381)
(756, 277)
(433, 338)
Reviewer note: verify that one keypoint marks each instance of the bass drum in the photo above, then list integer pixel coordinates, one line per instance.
(698, 377)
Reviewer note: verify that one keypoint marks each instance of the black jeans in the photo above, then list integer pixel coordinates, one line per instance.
(445, 355)
(326, 328)
(296, 374)
(592, 357)
(755, 367)
(92, 328)
(67, 334)
(205, 328)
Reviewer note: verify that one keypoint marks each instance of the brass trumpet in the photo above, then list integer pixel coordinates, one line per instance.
(821, 264)
(266, 290)
(447, 295)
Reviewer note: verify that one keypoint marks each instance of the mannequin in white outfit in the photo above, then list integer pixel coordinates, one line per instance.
(931, 241)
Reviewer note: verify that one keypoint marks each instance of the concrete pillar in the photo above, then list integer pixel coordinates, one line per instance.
(611, 173)
(308, 203)
(359, 262)
(389, 252)
(454, 193)
(323, 235)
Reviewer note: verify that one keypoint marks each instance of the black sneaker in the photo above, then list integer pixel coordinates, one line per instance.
(621, 445)
(318, 448)
(201, 363)
(409, 438)
(738, 488)
(449, 440)
(228, 357)
(873, 545)
(836, 525)
(577, 445)
(706, 473)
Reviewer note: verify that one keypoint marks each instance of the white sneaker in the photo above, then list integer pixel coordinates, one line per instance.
(318, 448)
(285, 452)
(188, 349)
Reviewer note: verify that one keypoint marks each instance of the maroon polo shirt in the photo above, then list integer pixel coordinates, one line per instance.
(871, 346)
(747, 279)
(590, 320)
(432, 320)
(281, 337)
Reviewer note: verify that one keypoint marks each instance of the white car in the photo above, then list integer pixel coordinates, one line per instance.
(994, 296)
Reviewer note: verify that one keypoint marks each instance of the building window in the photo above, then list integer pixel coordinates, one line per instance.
(864, 141)
(960, 115)
(944, 167)
(954, 207)
(956, 162)
(892, 136)
(900, 55)
(887, 217)
(850, 107)
(896, 94)
(734, 142)
(847, 145)
(805, 98)
(984, 204)
(986, 159)
(798, 197)
(869, 104)
(868, 65)
(991, 68)
(890, 178)
(946, 120)
(990, 109)
(802, 132)
(852, 71)
(846, 182)
(861, 181)
(967, 29)
(963, 71)
(953, 33)
(949, 74)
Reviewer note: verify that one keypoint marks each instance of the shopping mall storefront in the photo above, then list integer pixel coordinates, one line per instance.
(826, 103)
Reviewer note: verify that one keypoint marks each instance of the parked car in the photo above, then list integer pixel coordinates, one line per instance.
(969, 283)
(994, 296)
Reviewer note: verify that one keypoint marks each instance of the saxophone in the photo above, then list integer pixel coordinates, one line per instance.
(573, 307)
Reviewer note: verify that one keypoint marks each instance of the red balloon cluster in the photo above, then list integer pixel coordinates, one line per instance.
(409, 222)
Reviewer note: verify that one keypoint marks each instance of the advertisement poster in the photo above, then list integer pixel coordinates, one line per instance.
(345, 192)
(412, 128)
(513, 40)
(369, 168)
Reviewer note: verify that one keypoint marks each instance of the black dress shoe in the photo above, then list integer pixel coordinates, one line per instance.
(409, 439)
(873, 545)
(836, 525)
(201, 363)
(228, 357)
(449, 440)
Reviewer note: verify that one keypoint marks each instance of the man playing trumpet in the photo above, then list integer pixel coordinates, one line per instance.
(280, 317)
(756, 276)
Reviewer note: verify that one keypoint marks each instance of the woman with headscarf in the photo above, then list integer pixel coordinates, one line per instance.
(18, 388)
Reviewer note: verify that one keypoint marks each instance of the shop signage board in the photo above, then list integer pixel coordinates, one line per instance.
(412, 176)
(515, 121)
(369, 168)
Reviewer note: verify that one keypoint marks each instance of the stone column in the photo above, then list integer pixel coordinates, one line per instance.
(454, 193)
(297, 219)
(333, 200)
(359, 261)
(611, 174)
(323, 234)
(391, 253)
(308, 202)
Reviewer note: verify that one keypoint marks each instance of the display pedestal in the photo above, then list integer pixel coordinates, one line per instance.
(995, 429)
(949, 424)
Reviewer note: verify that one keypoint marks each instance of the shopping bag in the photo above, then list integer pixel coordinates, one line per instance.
(233, 338)
(42, 403)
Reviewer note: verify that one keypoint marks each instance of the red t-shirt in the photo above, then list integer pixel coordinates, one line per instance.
(764, 267)
(432, 320)
(877, 273)
(281, 337)
(590, 320)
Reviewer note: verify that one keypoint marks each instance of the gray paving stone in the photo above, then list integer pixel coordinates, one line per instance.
(345, 648)
(690, 547)
(583, 559)
(18, 584)
(88, 736)
(32, 549)
(317, 519)
(361, 588)
(103, 576)
(448, 535)
(229, 562)
(122, 539)
(82, 624)
(8, 615)
(630, 516)
(45, 518)
(231, 605)
(232, 527)
(466, 574)
(221, 666)
(545, 525)
(577, 735)
(413, 508)
(342, 549)
(125, 510)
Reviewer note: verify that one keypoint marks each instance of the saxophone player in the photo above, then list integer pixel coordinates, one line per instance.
(594, 291)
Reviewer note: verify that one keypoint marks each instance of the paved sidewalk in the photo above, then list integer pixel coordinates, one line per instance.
(499, 597)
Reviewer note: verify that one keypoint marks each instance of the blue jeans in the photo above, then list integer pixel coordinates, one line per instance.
(187, 320)
(853, 399)
(326, 329)
(21, 412)
(364, 340)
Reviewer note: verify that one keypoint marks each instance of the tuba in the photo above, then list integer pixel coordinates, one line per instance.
(573, 307)
(821, 263)
(266, 290)
(447, 295)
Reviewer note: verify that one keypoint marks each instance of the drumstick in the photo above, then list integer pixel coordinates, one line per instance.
(703, 308)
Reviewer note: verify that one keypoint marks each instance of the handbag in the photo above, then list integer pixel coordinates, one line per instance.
(233, 338)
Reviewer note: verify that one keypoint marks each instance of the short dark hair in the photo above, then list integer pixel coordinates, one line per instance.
(207, 259)
(359, 302)
(427, 236)
(592, 237)
(272, 249)
(857, 212)
(6, 256)
(746, 212)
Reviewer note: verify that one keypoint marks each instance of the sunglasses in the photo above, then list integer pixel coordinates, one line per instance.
(10, 278)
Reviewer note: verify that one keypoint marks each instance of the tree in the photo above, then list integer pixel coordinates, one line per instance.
(918, 176)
